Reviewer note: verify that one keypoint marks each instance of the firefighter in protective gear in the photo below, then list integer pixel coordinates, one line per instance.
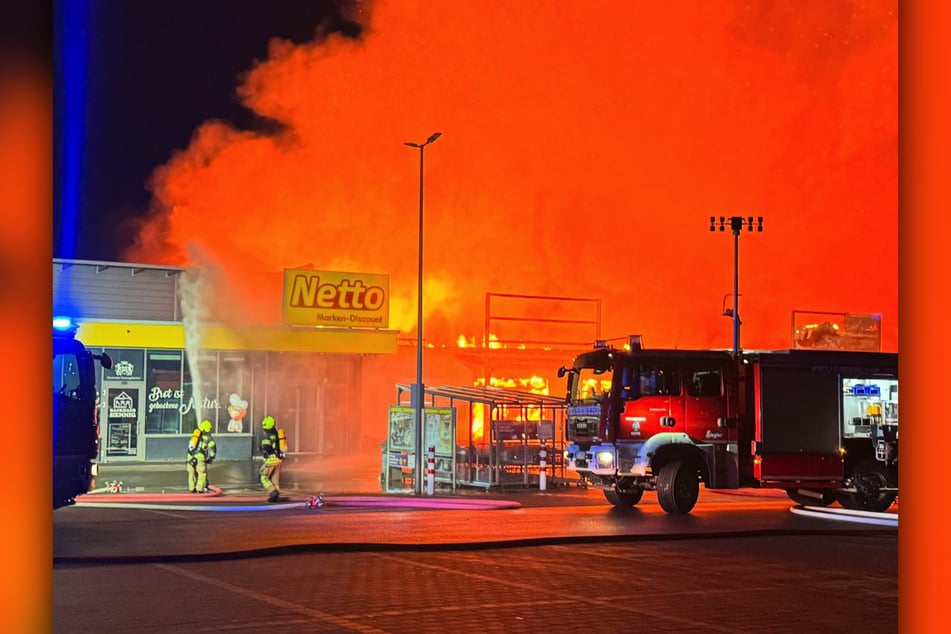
(201, 453)
(273, 446)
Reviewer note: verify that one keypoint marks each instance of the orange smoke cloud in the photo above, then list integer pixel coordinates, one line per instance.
(585, 146)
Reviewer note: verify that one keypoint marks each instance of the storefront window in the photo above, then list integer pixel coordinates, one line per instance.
(207, 380)
(127, 364)
(234, 377)
(189, 412)
(165, 394)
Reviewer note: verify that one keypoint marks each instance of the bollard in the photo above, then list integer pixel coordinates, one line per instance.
(431, 470)
(542, 475)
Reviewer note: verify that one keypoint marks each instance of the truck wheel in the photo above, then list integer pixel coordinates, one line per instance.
(678, 487)
(869, 479)
(623, 499)
(824, 498)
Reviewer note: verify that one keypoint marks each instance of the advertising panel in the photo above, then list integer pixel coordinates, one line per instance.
(439, 429)
(332, 298)
(402, 428)
(439, 432)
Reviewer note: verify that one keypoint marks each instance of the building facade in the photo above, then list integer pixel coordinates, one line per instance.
(164, 380)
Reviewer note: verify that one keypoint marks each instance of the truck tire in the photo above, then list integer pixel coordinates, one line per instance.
(869, 478)
(825, 497)
(678, 487)
(623, 499)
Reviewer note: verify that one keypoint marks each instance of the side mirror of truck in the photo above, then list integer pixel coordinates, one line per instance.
(562, 372)
(105, 360)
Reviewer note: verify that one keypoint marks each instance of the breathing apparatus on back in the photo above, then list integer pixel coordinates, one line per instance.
(193, 441)
(268, 424)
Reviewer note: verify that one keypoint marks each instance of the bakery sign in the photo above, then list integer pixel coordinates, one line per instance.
(333, 298)
(123, 405)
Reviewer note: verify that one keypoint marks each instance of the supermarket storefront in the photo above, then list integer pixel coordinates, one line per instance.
(308, 377)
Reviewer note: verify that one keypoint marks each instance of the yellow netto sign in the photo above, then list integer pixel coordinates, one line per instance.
(332, 298)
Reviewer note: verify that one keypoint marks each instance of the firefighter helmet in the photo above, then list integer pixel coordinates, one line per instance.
(268, 422)
(205, 426)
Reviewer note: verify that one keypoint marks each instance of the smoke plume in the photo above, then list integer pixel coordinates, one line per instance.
(585, 146)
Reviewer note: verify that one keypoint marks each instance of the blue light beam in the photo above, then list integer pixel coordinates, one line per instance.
(70, 49)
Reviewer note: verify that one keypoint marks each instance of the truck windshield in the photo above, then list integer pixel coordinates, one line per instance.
(589, 385)
(66, 375)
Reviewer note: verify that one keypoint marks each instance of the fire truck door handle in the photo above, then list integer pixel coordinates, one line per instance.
(667, 421)
(725, 422)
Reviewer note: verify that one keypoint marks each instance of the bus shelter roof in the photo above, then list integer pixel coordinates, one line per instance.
(492, 396)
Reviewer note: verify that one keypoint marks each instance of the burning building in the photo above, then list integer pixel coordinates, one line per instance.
(182, 355)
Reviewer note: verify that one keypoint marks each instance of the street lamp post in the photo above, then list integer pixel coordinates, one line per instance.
(418, 390)
(736, 224)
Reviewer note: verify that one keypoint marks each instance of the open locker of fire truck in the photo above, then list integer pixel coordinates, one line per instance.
(821, 425)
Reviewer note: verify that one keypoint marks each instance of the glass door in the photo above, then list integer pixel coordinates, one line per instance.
(120, 427)
(123, 407)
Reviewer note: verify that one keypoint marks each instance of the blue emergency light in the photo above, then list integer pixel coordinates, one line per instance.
(62, 323)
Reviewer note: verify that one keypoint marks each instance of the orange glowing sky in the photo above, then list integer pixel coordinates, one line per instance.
(585, 146)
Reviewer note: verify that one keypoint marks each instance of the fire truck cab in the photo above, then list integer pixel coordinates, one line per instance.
(75, 413)
(667, 420)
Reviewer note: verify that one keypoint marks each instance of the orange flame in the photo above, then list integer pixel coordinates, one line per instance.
(787, 114)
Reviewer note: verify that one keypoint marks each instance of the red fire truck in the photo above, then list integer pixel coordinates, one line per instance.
(821, 425)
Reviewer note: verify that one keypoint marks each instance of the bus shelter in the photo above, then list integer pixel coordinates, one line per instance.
(489, 438)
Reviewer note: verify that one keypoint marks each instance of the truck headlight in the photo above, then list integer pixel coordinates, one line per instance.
(605, 458)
